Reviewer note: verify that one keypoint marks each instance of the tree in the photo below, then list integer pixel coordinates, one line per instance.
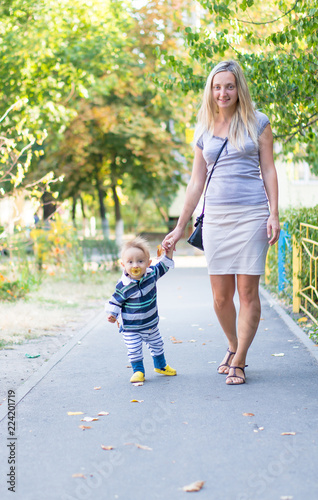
(123, 128)
(276, 43)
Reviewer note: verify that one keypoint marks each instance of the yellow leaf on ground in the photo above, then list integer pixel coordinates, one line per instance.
(279, 355)
(302, 320)
(196, 486)
(97, 388)
(84, 427)
(248, 414)
(107, 447)
(137, 401)
(103, 413)
(89, 419)
(288, 434)
(75, 413)
(79, 475)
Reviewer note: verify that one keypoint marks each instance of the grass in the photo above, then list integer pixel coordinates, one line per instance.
(54, 305)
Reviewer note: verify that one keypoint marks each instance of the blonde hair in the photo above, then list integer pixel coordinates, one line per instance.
(139, 243)
(244, 119)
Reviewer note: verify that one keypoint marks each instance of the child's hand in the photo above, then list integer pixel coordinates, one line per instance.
(167, 250)
(111, 318)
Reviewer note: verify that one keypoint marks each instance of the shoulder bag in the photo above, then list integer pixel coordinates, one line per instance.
(196, 237)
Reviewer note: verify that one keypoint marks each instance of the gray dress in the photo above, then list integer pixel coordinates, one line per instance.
(236, 211)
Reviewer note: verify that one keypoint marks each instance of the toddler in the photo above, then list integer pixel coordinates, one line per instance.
(135, 298)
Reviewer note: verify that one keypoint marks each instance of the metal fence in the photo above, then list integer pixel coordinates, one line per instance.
(305, 271)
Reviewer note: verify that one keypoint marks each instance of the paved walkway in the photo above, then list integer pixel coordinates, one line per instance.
(193, 424)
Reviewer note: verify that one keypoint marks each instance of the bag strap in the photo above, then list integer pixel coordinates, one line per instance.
(207, 184)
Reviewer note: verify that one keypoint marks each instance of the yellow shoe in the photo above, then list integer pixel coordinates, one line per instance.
(167, 370)
(138, 377)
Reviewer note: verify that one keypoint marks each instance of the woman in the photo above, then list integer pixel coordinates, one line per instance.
(238, 226)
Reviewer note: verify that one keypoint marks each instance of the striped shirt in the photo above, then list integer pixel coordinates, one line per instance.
(136, 300)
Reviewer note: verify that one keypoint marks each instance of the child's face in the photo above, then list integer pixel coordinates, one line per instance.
(135, 263)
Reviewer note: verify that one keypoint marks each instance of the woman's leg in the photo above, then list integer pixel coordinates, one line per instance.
(223, 289)
(248, 321)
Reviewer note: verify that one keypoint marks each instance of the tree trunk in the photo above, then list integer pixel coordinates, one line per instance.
(74, 210)
(119, 230)
(102, 209)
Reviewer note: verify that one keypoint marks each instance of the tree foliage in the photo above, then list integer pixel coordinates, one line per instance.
(276, 44)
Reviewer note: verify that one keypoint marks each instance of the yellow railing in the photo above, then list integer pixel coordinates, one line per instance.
(306, 298)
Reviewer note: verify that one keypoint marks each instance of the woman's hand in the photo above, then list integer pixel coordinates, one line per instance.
(172, 239)
(273, 229)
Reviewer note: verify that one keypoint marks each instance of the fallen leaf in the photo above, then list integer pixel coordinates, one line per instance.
(138, 383)
(107, 447)
(84, 427)
(279, 355)
(175, 341)
(248, 414)
(79, 475)
(302, 320)
(141, 446)
(75, 413)
(288, 434)
(204, 343)
(97, 388)
(103, 413)
(261, 428)
(137, 401)
(196, 486)
(89, 419)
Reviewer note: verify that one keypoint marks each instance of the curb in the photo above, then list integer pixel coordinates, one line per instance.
(290, 323)
(36, 377)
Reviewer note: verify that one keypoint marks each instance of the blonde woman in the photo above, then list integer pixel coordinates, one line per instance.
(241, 206)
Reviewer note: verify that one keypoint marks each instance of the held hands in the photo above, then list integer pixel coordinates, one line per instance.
(273, 229)
(170, 241)
(111, 318)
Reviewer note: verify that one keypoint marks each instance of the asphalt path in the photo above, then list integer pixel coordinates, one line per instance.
(183, 429)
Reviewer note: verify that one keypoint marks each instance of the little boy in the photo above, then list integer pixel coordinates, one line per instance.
(135, 298)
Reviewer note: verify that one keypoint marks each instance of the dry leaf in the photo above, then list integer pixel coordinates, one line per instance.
(106, 447)
(79, 475)
(159, 251)
(288, 434)
(137, 401)
(97, 388)
(141, 446)
(84, 427)
(138, 383)
(194, 486)
(175, 341)
(248, 414)
(75, 413)
(302, 320)
(279, 355)
(89, 419)
(103, 413)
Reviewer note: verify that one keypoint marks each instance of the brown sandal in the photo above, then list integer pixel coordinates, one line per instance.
(236, 376)
(226, 362)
